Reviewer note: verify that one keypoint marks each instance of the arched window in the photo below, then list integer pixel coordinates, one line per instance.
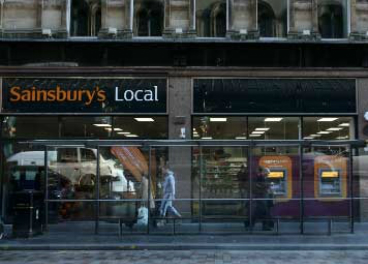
(266, 20)
(149, 18)
(219, 20)
(331, 19)
(85, 18)
(211, 18)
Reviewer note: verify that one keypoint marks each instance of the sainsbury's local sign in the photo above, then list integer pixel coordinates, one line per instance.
(84, 95)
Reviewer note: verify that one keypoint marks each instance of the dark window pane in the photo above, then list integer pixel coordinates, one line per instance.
(86, 127)
(30, 127)
(328, 128)
(206, 127)
(148, 127)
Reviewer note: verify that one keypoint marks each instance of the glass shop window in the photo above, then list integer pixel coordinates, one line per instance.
(211, 18)
(272, 18)
(206, 127)
(273, 128)
(147, 127)
(328, 128)
(85, 18)
(86, 127)
(148, 18)
(30, 127)
(332, 18)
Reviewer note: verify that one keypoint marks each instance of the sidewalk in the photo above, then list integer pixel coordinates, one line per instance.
(75, 239)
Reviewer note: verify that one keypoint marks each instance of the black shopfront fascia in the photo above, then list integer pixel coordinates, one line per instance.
(274, 96)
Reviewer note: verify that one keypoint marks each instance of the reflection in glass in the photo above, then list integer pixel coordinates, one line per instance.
(332, 18)
(149, 18)
(154, 127)
(211, 18)
(206, 127)
(273, 127)
(328, 128)
(86, 127)
(272, 18)
(30, 127)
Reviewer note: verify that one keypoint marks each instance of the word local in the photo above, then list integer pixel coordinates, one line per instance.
(138, 95)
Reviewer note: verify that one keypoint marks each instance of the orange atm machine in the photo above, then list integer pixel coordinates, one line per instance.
(330, 176)
(280, 175)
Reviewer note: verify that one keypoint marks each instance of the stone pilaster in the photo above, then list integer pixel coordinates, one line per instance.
(179, 21)
(242, 19)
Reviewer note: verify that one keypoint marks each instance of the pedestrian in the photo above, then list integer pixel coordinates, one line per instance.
(168, 193)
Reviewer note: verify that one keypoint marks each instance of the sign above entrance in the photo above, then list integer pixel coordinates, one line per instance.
(274, 96)
(26, 95)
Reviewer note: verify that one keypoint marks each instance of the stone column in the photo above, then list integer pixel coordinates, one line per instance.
(180, 102)
(179, 21)
(301, 19)
(242, 21)
(116, 16)
(359, 19)
(53, 18)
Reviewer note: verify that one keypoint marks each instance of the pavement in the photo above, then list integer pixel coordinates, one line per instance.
(184, 257)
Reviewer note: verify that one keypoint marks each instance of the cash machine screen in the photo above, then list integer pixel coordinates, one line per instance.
(278, 180)
(330, 182)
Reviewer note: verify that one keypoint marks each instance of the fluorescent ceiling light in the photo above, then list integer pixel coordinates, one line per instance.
(262, 129)
(314, 135)
(144, 119)
(124, 133)
(324, 132)
(218, 119)
(273, 119)
(341, 138)
(308, 137)
(117, 129)
(255, 135)
(132, 136)
(206, 137)
(335, 129)
(108, 129)
(102, 125)
(258, 132)
(327, 119)
(344, 125)
(196, 135)
(241, 138)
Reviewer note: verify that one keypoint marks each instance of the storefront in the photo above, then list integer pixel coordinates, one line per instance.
(249, 155)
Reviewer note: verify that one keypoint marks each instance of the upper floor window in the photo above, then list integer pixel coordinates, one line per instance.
(85, 17)
(149, 17)
(332, 18)
(211, 18)
(272, 18)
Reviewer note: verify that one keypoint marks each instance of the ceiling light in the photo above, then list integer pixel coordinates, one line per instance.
(334, 129)
(123, 133)
(240, 137)
(262, 129)
(273, 119)
(218, 119)
(255, 135)
(108, 129)
(344, 125)
(117, 129)
(132, 136)
(324, 132)
(144, 119)
(308, 138)
(327, 119)
(258, 132)
(341, 138)
(314, 135)
(206, 137)
(102, 125)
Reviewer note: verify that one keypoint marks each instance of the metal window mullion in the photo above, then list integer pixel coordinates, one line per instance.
(301, 182)
(46, 189)
(149, 187)
(97, 189)
(200, 189)
(250, 222)
(351, 182)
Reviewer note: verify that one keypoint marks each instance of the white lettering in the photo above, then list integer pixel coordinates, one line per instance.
(148, 97)
(155, 87)
(131, 95)
(136, 95)
(117, 99)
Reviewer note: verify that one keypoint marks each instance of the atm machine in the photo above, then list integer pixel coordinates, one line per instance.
(278, 179)
(329, 181)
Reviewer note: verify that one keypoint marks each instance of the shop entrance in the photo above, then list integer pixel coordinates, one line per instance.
(218, 187)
